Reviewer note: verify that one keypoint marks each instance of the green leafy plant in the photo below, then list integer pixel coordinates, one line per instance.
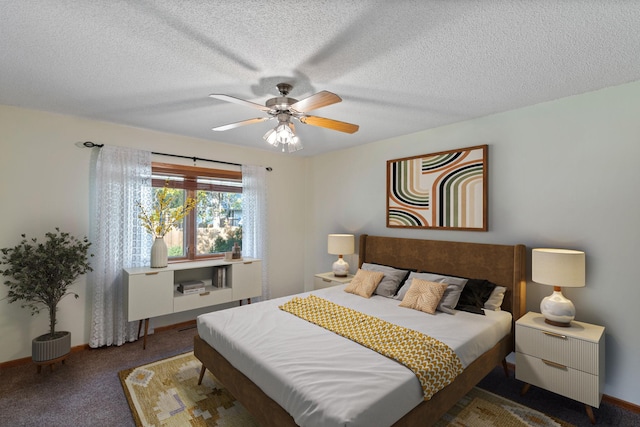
(164, 214)
(41, 273)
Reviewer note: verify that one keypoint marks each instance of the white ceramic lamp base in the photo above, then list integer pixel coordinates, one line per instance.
(340, 268)
(557, 310)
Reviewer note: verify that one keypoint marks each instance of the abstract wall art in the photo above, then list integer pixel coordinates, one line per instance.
(445, 190)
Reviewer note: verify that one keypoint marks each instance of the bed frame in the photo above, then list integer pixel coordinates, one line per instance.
(503, 265)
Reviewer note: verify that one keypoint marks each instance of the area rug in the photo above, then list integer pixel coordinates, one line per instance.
(166, 393)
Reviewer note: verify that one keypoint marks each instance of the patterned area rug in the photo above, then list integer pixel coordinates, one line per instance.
(480, 408)
(166, 393)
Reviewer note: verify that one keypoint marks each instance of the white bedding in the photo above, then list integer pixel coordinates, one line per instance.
(326, 380)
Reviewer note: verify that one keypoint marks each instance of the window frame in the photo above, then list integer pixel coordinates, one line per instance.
(191, 187)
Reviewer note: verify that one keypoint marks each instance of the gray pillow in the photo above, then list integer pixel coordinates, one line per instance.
(451, 295)
(391, 280)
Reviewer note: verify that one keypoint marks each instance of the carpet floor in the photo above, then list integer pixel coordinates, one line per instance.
(86, 390)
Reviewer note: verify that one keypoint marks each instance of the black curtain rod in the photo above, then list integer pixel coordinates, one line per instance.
(90, 144)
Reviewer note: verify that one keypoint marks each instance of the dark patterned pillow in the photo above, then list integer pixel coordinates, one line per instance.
(475, 293)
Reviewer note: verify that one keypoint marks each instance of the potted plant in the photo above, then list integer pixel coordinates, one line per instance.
(39, 276)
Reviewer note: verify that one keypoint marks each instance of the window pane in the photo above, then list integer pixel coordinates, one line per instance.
(219, 221)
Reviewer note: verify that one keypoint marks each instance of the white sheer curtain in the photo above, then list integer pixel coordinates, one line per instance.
(121, 178)
(254, 219)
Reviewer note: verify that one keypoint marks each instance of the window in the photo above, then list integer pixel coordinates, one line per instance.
(215, 224)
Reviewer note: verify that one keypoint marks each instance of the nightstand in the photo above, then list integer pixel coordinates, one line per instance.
(567, 361)
(325, 280)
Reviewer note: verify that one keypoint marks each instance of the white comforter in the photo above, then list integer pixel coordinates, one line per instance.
(326, 380)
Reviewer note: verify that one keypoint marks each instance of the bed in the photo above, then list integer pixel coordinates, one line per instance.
(503, 265)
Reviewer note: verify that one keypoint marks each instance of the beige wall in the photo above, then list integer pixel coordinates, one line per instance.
(44, 183)
(561, 174)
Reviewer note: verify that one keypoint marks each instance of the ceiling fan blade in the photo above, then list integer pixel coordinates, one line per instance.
(239, 101)
(242, 123)
(315, 101)
(329, 124)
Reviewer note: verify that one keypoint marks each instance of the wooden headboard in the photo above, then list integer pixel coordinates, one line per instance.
(503, 265)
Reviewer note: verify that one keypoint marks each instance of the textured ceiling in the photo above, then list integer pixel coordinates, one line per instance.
(399, 66)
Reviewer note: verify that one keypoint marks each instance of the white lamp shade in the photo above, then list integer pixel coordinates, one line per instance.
(558, 267)
(340, 244)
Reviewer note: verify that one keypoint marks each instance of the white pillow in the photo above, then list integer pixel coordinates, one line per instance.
(495, 299)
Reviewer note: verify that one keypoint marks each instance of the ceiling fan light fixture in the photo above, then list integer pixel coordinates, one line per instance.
(283, 133)
(295, 144)
(270, 137)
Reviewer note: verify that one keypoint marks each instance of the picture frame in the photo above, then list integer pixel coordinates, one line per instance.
(443, 190)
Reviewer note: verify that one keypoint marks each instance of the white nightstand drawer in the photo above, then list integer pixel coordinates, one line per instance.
(555, 377)
(321, 283)
(558, 347)
(325, 280)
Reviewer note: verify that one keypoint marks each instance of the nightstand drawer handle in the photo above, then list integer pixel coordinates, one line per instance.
(554, 364)
(552, 334)
(326, 280)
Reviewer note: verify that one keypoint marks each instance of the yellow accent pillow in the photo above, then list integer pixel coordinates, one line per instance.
(364, 283)
(423, 295)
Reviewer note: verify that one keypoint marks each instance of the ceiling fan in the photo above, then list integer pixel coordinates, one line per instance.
(284, 109)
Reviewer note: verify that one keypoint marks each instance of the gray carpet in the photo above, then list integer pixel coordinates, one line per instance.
(87, 391)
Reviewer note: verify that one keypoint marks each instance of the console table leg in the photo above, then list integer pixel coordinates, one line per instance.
(525, 389)
(146, 329)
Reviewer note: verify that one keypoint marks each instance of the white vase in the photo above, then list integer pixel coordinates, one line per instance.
(159, 253)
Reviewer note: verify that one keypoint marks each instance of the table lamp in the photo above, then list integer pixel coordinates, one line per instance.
(340, 244)
(559, 268)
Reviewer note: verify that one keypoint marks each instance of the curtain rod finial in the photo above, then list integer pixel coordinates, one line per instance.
(90, 144)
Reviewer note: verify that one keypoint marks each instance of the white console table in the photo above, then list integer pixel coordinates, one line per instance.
(152, 292)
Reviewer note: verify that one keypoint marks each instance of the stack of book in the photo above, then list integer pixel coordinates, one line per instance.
(220, 277)
(191, 287)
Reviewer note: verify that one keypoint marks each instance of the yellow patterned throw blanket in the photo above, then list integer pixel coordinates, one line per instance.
(434, 363)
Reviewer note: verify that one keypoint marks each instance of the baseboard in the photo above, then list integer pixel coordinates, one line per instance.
(27, 360)
(182, 325)
(621, 403)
